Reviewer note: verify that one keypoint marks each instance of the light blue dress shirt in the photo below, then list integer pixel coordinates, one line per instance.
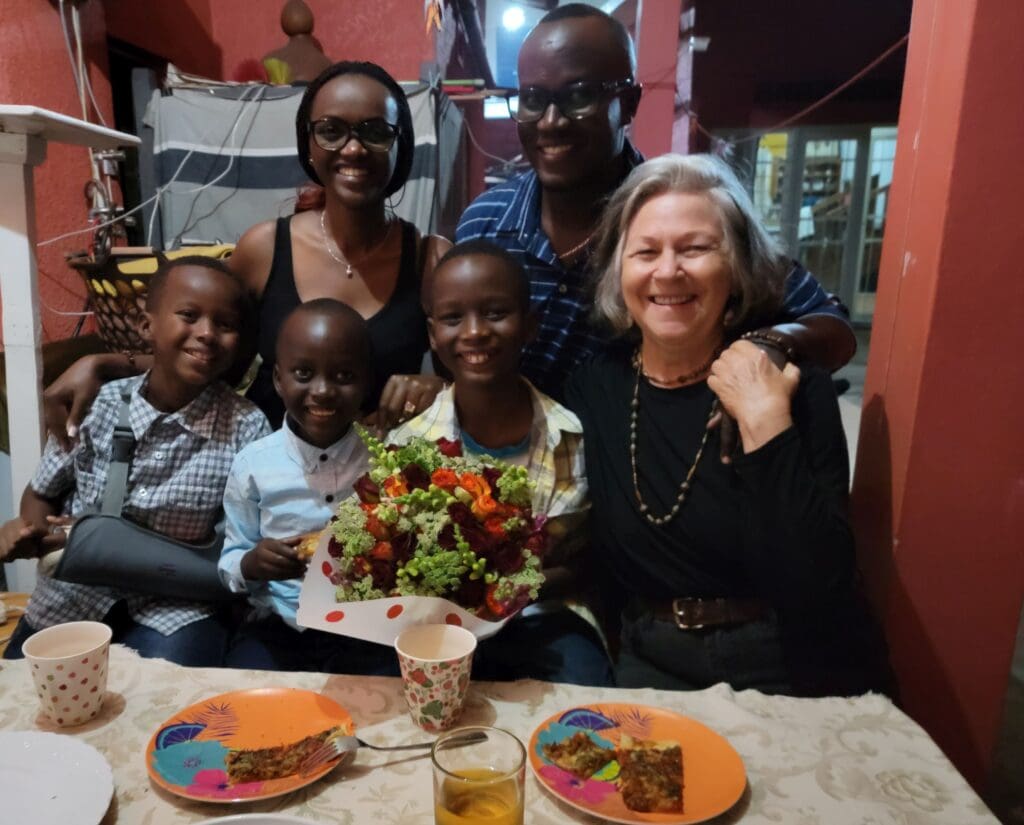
(279, 487)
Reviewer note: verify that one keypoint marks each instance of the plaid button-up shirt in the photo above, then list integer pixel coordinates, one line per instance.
(175, 487)
(508, 215)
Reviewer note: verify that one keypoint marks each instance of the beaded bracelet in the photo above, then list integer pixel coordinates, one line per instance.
(769, 338)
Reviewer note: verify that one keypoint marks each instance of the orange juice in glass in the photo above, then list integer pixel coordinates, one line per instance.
(482, 783)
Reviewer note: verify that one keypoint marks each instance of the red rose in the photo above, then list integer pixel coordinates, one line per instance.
(491, 476)
(366, 489)
(452, 449)
(403, 546)
(505, 558)
(383, 574)
(416, 478)
(446, 538)
(471, 593)
(376, 528)
(498, 608)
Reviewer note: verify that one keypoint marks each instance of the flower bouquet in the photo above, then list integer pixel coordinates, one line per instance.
(430, 535)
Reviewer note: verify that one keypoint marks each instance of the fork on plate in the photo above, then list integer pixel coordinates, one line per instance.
(340, 745)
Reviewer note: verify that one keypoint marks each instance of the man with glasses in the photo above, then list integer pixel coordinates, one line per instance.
(578, 92)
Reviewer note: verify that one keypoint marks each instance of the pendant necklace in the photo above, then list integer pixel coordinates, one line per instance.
(350, 270)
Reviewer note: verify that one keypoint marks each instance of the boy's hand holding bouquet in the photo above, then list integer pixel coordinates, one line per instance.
(431, 535)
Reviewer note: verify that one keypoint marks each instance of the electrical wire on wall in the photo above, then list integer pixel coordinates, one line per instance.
(186, 225)
(248, 105)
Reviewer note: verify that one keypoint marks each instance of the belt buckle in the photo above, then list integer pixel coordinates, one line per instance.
(687, 613)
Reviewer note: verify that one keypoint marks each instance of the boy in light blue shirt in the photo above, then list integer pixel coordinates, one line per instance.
(287, 485)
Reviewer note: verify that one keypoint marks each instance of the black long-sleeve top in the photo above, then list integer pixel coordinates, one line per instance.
(771, 525)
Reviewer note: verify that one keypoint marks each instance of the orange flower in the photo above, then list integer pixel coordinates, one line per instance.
(395, 486)
(484, 506)
(445, 479)
(376, 528)
(495, 525)
(475, 485)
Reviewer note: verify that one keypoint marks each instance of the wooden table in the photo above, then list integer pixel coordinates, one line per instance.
(16, 603)
(809, 761)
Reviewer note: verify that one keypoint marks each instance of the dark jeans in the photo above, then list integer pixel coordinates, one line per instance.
(200, 644)
(271, 644)
(557, 646)
(658, 654)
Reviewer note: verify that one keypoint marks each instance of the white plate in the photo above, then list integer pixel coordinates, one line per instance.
(258, 819)
(48, 779)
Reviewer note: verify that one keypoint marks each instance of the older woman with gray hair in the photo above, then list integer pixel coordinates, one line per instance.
(742, 572)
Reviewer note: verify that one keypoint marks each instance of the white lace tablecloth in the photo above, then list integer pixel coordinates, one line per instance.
(809, 761)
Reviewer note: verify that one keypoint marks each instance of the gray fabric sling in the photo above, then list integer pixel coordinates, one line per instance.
(105, 549)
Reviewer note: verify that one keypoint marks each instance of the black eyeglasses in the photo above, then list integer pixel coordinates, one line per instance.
(333, 133)
(576, 101)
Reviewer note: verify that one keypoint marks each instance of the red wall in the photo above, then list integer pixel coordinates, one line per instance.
(178, 30)
(34, 69)
(389, 32)
(939, 486)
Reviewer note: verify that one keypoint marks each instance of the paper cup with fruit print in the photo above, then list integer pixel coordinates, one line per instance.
(69, 667)
(435, 660)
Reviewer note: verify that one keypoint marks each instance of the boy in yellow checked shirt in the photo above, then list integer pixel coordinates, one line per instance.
(478, 316)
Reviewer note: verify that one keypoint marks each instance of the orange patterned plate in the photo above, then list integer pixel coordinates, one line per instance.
(713, 775)
(186, 755)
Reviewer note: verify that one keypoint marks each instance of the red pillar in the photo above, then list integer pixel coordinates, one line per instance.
(939, 488)
(657, 40)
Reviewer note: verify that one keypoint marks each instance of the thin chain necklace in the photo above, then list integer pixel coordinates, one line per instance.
(570, 252)
(684, 487)
(349, 269)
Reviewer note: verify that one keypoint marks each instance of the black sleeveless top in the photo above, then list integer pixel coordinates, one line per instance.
(398, 330)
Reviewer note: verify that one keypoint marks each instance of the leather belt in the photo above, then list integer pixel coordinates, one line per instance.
(694, 614)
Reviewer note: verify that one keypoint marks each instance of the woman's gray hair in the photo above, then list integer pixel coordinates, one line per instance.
(759, 267)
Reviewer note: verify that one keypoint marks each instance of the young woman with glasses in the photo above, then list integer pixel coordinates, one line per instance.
(355, 140)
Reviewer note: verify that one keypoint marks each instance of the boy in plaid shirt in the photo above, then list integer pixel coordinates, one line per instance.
(187, 425)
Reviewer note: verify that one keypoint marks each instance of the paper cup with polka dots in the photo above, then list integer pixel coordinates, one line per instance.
(435, 660)
(69, 667)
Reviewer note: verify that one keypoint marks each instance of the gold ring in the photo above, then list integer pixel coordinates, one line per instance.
(409, 408)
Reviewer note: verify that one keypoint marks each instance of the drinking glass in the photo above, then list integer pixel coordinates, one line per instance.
(479, 784)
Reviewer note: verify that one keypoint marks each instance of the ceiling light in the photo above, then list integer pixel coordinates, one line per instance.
(513, 18)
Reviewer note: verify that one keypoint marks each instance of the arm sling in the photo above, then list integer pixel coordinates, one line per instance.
(105, 549)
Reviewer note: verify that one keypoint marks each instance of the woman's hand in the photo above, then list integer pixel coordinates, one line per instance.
(755, 392)
(274, 560)
(68, 399)
(405, 396)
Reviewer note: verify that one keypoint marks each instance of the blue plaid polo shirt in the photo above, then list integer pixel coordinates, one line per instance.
(508, 215)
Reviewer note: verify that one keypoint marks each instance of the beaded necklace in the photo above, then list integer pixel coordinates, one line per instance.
(684, 487)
